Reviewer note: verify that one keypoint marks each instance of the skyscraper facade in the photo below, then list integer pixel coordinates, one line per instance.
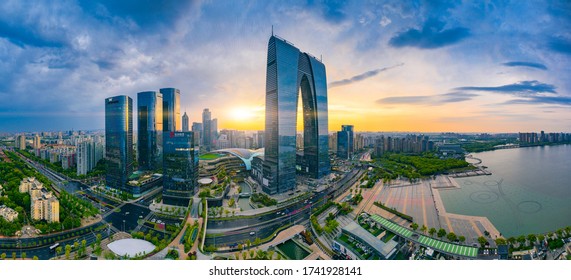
(118, 141)
(345, 142)
(171, 109)
(180, 163)
(288, 71)
(207, 129)
(197, 127)
(150, 130)
(185, 122)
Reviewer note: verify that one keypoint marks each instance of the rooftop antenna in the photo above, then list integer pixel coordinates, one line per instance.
(321, 57)
(272, 30)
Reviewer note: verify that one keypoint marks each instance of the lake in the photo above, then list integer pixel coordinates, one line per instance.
(529, 190)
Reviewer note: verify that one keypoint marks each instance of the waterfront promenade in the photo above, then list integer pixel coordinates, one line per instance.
(422, 201)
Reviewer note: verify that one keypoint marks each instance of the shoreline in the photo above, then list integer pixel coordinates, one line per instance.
(484, 221)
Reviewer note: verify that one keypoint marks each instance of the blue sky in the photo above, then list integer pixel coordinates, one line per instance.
(391, 65)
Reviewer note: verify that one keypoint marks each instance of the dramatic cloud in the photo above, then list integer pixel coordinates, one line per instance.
(434, 100)
(431, 36)
(525, 64)
(362, 76)
(552, 100)
(524, 88)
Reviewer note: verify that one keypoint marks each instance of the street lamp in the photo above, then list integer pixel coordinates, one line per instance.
(123, 225)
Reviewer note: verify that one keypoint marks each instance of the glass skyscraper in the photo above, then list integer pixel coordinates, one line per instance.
(180, 165)
(171, 109)
(185, 122)
(118, 141)
(150, 130)
(288, 71)
(345, 141)
(207, 129)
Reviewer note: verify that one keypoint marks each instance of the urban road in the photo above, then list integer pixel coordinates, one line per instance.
(237, 230)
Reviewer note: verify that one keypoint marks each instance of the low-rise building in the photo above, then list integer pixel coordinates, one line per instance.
(8, 213)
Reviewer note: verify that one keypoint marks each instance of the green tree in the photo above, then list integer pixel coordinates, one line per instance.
(58, 251)
(67, 251)
(451, 236)
(23, 256)
(257, 241)
(482, 240)
(3, 256)
(423, 229)
(461, 238)
(414, 226)
(432, 231)
(35, 258)
(13, 255)
(244, 255)
(521, 240)
(532, 238)
(441, 232)
(540, 237)
(501, 241)
(512, 240)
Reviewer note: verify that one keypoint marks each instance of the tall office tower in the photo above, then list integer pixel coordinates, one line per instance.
(180, 163)
(197, 127)
(345, 142)
(171, 109)
(207, 129)
(118, 141)
(214, 130)
(288, 70)
(260, 138)
(150, 134)
(185, 122)
(60, 138)
(333, 142)
(37, 142)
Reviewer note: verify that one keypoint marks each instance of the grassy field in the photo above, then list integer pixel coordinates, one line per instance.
(210, 156)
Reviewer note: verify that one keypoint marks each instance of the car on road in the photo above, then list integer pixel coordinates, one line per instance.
(252, 232)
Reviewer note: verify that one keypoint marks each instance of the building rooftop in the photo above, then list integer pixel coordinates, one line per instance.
(384, 249)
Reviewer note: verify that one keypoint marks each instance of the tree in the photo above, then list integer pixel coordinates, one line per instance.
(461, 238)
(252, 254)
(501, 241)
(67, 251)
(532, 238)
(451, 236)
(521, 240)
(482, 240)
(441, 232)
(244, 255)
(540, 237)
(257, 241)
(237, 255)
(3, 256)
(13, 255)
(512, 240)
(414, 226)
(35, 258)
(423, 229)
(240, 247)
(23, 256)
(58, 251)
(432, 231)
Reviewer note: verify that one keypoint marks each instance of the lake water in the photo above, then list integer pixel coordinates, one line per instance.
(529, 190)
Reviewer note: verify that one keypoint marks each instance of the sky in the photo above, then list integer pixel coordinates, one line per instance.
(426, 66)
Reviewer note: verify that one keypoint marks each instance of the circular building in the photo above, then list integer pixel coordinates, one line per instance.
(131, 247)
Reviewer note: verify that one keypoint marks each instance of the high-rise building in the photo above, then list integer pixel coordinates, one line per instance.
(345, 142)
(37, 142)
(21, 142)
(185, 122)
(197, 127)
(118, 141)
(180, 165)
(288, 70)
(260, 143)
(150, 134)
(171, 109)
(207, 129)
(213, 131)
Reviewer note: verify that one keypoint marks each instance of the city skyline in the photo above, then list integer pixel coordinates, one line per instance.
(390, 66)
